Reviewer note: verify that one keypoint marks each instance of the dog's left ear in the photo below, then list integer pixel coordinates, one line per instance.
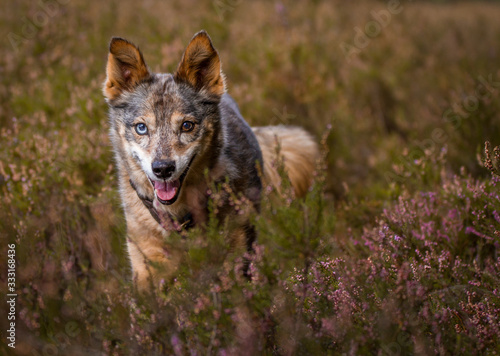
(125, 69)
(200, 66)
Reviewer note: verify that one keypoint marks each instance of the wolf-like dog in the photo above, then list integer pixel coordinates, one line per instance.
(176, 135)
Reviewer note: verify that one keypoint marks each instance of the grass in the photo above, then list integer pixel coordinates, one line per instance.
(394, 251)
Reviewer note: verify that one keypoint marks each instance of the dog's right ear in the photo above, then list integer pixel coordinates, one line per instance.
(125, 69)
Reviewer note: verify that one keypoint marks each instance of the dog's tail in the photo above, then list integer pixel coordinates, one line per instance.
(298, 150)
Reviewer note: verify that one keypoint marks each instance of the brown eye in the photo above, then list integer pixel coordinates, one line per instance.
(187, 126)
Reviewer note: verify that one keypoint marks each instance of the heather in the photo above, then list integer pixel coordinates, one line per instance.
(393, 252)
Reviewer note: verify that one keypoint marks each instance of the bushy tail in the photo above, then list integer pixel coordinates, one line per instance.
(295, 147)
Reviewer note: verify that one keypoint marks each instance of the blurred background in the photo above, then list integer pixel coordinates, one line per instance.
(409, 89)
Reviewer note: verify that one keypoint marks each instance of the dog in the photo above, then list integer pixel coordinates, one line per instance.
(177, 135)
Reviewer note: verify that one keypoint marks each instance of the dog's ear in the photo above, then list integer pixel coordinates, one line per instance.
(125, 69)
(200, 66)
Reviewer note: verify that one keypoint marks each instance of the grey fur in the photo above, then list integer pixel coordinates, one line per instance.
(217, 141)
(234, 142)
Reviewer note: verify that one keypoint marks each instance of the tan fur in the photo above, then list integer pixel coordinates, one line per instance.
(145, 240)
(153, 259)
(298, 150)
(152, 254)
(200, 50)
(125, 68)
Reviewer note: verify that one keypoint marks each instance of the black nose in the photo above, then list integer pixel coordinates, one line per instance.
(163, 169)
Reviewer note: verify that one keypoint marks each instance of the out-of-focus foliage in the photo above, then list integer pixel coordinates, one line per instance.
(395, 249)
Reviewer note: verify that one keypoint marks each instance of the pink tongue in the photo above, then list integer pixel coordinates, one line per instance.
(166, 190)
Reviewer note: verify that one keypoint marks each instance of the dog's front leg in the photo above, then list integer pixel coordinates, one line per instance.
(152, 260)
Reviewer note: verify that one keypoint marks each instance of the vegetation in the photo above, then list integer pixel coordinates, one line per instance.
(395, 251)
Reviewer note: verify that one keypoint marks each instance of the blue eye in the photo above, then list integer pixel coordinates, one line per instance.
(187, 126)
(141, 129)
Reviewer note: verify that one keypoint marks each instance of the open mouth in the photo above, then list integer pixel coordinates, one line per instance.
(168, 192)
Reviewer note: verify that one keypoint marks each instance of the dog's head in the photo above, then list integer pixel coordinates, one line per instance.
(161, 123)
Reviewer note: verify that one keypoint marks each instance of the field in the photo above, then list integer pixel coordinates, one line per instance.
(395, 251)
